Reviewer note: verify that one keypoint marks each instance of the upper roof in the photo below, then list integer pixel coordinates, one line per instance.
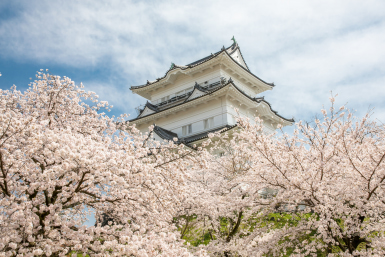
(229, 51)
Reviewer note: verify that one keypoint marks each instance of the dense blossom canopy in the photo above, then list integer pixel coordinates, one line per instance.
(61, 159)
(318, 192)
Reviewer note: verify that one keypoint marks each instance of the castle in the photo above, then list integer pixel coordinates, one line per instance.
(192, 100)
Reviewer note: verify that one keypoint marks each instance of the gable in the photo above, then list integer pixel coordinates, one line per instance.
(237, 56)
(196, 93)
(146, 111)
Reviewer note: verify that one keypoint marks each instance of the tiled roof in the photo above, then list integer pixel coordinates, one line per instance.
(203, 60)
(209, 56)
(230, 82)
(169, 135)
(165, 134)
(205, 134)
(187, 101)
(200, 88)
(151, 106)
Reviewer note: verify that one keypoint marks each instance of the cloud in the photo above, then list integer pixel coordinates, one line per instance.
(121, 98)
(308, 48)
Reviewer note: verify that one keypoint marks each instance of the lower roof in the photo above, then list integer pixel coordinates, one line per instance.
(229, 83)
(189, 141)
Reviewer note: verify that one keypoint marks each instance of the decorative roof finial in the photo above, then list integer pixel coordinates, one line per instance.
(223, 48)
(234, 40)
(172, 65)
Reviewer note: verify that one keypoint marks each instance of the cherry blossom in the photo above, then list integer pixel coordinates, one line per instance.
(318, 192)
(62, 159)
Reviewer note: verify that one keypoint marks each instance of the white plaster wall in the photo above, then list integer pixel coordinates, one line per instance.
(195, 116)
(222, 110)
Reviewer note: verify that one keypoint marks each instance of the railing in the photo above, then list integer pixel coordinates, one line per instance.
(173, 99)
(213, 85)
(181, 97)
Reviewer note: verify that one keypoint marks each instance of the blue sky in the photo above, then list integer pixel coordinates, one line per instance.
(307, 48)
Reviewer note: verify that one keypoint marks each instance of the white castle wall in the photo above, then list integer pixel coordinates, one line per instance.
(194, 116)
(220, 108)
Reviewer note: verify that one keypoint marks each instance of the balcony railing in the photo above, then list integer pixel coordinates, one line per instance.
(178, 98)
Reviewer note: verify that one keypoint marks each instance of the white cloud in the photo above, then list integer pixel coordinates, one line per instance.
(120, 97)
(308, 48)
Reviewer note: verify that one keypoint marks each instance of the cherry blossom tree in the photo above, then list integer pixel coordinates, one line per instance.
(318, 192)
(218, 206)
(62, 159)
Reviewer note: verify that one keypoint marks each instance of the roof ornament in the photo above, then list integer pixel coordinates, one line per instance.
(196, 84)
(172, 66)
(223, 48)
(230, 80)
(148, 82)
(234, 40)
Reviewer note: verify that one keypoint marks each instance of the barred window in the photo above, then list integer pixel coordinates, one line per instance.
(187, 130)
(208, 123)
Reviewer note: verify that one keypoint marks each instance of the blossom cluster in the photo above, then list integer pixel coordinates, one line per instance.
(318, 192)
(62, 159)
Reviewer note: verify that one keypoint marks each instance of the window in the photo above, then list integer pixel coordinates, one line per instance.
(208, 123)
(187, 130)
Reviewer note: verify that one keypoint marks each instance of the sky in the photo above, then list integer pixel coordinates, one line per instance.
(307, 48)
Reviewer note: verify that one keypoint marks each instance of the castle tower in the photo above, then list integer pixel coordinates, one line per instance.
(190, 101)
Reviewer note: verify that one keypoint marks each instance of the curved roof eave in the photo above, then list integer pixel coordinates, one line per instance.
(149, 106)
(197, 63)
(184, 102)
(261, 99)
(230, 82)
(171, 136)
(276, 113)
(165, 134)
(204, 135)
